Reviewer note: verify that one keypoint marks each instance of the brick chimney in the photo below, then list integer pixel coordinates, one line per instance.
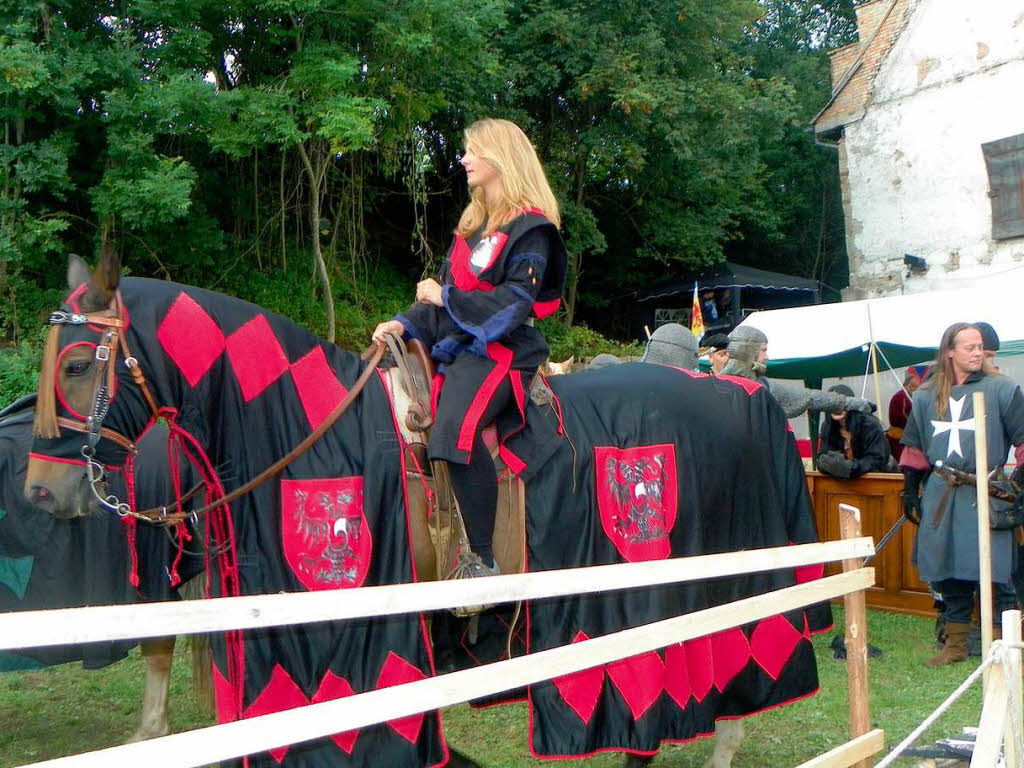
(869, 16)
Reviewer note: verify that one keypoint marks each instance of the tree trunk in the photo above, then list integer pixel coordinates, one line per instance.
(575, 260)
(284, 206)
(316, 178)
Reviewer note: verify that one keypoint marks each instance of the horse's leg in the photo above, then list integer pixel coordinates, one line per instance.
(199, 645)
(158, 653)
(728, 736)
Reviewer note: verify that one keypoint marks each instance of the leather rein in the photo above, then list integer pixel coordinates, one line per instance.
(113, 342)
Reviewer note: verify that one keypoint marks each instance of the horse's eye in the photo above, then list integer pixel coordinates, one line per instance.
(77, 367)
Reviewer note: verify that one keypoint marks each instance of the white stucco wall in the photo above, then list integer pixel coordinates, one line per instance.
(917, 181)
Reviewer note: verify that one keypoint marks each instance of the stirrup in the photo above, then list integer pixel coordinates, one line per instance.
(469, 565)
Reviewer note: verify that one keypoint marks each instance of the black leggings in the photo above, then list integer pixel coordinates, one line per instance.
(476, 485)
(958, 597)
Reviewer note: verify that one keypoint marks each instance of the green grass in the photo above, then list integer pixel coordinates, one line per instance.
(62, 710)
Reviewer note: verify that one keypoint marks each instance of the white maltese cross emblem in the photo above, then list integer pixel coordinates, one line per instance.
(953, 426)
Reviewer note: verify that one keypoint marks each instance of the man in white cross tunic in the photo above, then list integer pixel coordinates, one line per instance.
(941, 428)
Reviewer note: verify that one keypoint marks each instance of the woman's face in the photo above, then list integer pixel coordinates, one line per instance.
(479, 172)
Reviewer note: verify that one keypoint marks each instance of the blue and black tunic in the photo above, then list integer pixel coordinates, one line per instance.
(483, 338)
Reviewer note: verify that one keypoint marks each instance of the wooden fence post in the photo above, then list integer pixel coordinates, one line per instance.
(856, 636)
(984, 534)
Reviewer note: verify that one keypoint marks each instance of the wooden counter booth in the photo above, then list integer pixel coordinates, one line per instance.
(878, 495)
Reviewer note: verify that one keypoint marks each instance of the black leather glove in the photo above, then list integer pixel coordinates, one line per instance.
(912, 479)
(835, 464)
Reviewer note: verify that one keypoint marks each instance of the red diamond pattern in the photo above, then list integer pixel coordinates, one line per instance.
(224, 696)
(256, 357)
(640, 680)
(677, 677)
(396, 671)
(700, 665)
(812, 572)
(749, 385)
(581, 690)
(190, 338)
(318, 387)
(772, 643)
(280, 694)
(731, 652)
(334, 687)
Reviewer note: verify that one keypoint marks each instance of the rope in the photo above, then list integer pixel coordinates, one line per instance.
(899, 381)
(867, 370)
(996, 655)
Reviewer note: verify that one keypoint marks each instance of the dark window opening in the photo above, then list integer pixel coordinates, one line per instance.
(1005, 162)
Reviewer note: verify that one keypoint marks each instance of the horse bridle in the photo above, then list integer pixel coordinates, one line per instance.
(105, 357)
(104, 378)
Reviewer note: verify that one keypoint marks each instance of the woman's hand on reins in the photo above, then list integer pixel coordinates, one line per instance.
(393, 327)
(429, 292)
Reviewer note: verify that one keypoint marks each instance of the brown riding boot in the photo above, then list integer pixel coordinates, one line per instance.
(955, 648)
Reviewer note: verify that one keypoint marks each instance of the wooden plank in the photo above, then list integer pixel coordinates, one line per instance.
(224, 742)
(850, 753)
(1012, 635)
(992, 726)
(34, 629)
(856, 637)
(984, 532)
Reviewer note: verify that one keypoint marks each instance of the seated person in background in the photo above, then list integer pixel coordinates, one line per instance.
(672, 344)
(852, 443)
(716, 347)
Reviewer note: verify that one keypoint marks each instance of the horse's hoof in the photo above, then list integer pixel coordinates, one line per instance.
(459, 760)
(637, 761)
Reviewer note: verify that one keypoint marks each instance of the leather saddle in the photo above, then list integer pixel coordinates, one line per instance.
(409, 386)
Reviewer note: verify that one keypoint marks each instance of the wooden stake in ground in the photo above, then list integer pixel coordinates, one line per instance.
(856, 636)
(984, 534)
(1014, 720)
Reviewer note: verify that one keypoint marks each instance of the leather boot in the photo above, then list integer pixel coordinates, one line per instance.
(955, 648)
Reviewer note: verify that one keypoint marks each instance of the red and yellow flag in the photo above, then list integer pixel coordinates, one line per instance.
(696, 318)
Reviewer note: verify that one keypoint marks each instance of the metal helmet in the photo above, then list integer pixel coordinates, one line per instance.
(604, 360)
(745, 344)
(672, 344)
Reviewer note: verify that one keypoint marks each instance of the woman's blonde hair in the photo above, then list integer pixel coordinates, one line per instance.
(523, 184)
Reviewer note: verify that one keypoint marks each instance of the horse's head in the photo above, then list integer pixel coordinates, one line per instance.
(77, 433)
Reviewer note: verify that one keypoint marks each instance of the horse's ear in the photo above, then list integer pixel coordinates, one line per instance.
(78, 271)
(104, 281)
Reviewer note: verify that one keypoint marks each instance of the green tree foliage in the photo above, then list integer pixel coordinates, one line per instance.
(314, 144)
(790, 42)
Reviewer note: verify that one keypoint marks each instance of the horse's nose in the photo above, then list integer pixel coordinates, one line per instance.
(40, 496)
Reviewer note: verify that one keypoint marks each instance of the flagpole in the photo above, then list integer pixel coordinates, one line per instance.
(874, 360)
